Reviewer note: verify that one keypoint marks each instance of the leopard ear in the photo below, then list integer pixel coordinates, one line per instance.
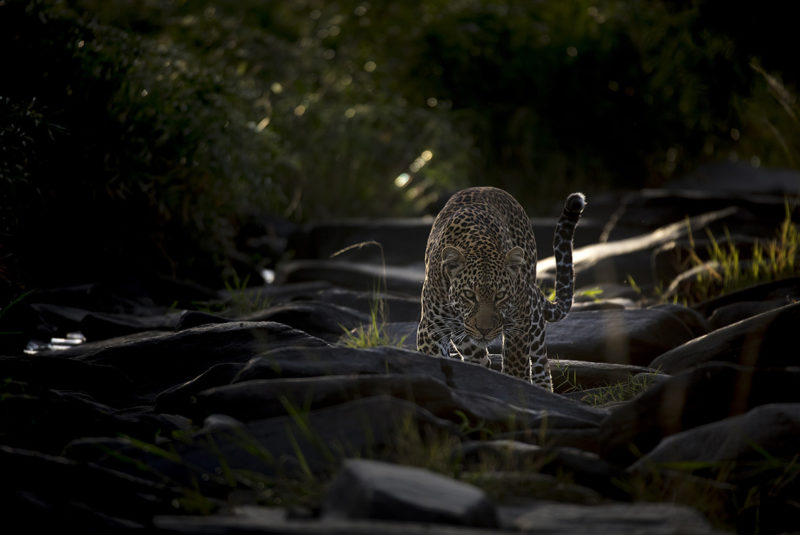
(515, 258)
(452, 261)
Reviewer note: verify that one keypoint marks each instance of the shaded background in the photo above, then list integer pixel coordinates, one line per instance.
(188, 138)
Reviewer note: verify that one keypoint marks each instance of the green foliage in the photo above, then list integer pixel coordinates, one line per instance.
(611, 393)
(731, 267)
(373, 334)
(180, 124)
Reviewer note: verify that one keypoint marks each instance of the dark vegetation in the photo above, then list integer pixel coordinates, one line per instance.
(152, 136)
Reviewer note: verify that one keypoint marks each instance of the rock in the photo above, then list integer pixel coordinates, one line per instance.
(645, 210)
(739, 177)
(655, 518)
(327, 321)
(156, 361)
(767, 432)
(382, 491)
(397, 307)
(457, 375)
(275, 521)
(760, 340)
(258, 399)
(755, 451)
(630, 337)
(699, 396)
(571, 375)
(615, 261)
(298, 444)
(52, 492)
(783, 291)
(362, 277)
(563, 464)
(103, 383)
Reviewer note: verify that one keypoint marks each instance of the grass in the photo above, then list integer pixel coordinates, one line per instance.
(731, 267)
(611, 393)
(374, 333)
(732, 495)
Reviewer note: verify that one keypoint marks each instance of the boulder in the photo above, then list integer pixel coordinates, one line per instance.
(761, 340)
(650, 518)
(689, 399)
(764, 433)
(572, 375)
(156, 361)
(457, 375)
(317, 318)
(363, 277)
(258, 399)
(383, 491)
(618, 336)
(295, 445)
(754, 454)
(631, 255)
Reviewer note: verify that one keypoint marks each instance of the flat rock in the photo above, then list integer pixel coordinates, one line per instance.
(355, 276)
(760, 340)
(273, 521)
(655, 518)
(156, 361)
(298, 444)
(383, 491)
(618, 336)
(696, 397)
(317, 318)
(458, 375)
(571, 375)
(631, 255)
(771, 429)
(258, 399)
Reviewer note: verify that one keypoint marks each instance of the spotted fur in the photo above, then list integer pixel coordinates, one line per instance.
(480, 282)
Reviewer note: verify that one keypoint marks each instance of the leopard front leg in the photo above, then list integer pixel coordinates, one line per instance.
(470, 351)
(433, 337)
(525, 353)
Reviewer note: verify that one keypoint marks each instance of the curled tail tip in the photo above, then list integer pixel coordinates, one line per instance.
(575, 203)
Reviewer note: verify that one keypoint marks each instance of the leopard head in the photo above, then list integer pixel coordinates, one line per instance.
(482, 289)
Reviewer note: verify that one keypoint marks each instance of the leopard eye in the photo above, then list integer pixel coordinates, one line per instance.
(469, 294)
(500, 296)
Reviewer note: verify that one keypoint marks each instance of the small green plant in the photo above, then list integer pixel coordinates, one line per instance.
(729, 267)
(611, 393)
(374, 333)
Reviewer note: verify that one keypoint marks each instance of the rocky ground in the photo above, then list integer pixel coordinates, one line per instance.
(167, 407)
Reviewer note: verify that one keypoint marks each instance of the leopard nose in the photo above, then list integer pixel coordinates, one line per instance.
(484, 330)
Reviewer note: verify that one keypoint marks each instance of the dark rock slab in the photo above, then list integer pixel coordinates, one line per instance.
(295, 445)
(783, 290)
(104, 383)
(627, 336)
(355, 276)
(650, 518)
(631, 254)
(458, 375)
(42, 491)
(699, 396)
(571, 375)
(382, 491)
(258, 399)
(273, 521)
(397, 307)
(754, 454)
(760, 340)
(317, 318)
(156, 361)
(645, 210)
(772, 429)
(38, 418)
(584, 468)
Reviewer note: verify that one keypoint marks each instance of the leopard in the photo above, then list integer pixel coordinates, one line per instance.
(480, 283)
